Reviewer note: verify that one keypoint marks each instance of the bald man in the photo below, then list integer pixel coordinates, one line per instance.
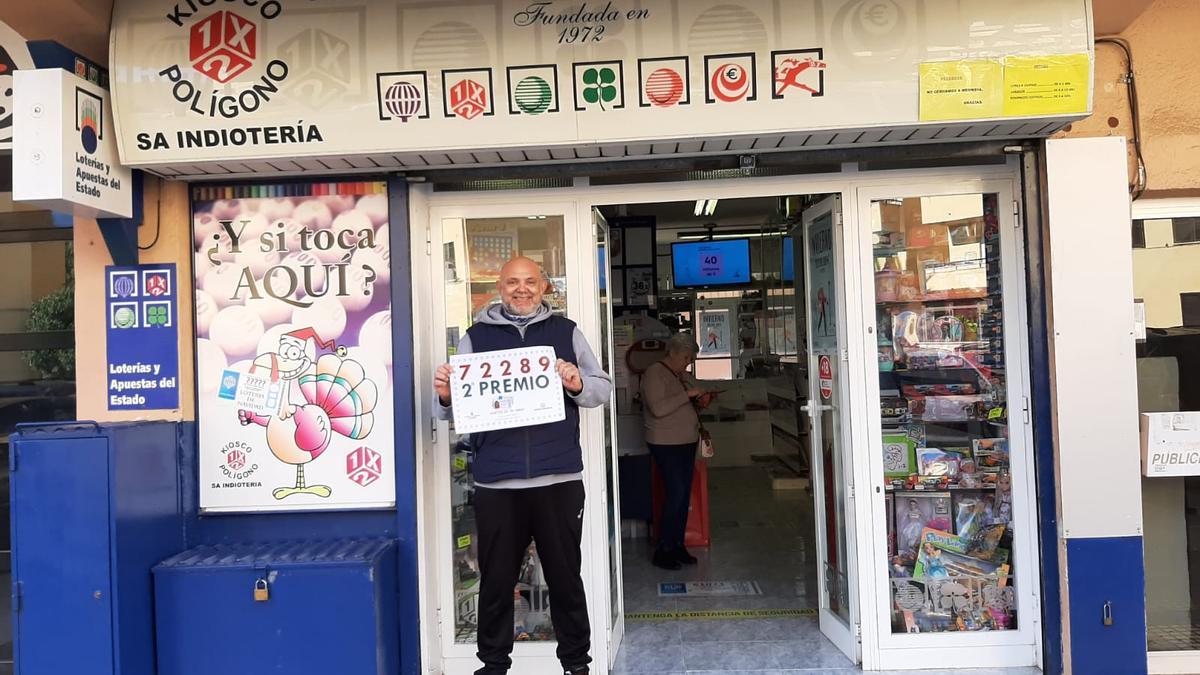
(529, 480)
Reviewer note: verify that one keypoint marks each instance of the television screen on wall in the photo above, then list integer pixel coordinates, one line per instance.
(789, 260)
(699, 264)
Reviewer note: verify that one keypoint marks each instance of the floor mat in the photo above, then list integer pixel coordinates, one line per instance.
(720, 614)
(702, 589)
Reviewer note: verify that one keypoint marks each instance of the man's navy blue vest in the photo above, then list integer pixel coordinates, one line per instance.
(541, 449)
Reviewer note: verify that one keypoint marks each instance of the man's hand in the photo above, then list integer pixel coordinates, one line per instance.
(571, 379)
(441, 383)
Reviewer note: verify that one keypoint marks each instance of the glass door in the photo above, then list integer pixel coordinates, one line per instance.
(612, 508)
(472, 245)
(952, 486)
(828, 410)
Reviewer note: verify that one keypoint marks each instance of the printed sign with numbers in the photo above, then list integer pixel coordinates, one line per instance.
(505, 389)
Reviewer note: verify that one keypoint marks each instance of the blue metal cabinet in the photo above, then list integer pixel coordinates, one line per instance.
(330, 607)
(93, 508)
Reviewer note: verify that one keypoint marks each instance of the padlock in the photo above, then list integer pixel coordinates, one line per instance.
(262, 592)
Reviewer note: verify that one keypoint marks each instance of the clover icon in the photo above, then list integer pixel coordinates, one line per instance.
(600, 86)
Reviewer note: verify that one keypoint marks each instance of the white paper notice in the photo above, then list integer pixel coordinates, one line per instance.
(505, 389)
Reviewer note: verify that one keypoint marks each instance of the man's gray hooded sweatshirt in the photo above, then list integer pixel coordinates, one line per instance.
(540, 454)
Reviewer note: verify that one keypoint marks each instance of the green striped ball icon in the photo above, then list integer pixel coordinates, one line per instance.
(532, 95)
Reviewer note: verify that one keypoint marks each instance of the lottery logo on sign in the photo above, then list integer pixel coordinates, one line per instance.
(235, 459)
(799, 72)
(664, 87)
(664, 82)
(730, 78)
(468, 99)
(157, 283)
(124, 285)
(124, 315)
(825, 371)
(402, 96)
(364, 466)
(532, 90)
(468, 93)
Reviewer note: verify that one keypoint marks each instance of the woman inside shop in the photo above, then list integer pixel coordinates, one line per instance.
(670, 400)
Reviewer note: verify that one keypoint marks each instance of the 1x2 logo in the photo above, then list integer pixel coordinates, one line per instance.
(222, 46)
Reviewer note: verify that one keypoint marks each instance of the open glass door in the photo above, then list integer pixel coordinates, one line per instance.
(612, 512)
(469, 245)
(828, 409)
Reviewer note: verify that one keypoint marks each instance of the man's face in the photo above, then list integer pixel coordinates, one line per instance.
(521, 286)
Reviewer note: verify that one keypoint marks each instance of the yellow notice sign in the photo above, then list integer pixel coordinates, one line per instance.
(961, 90)
(1046, 85)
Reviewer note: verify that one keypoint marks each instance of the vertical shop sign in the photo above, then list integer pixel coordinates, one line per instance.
(822, 287)
(294, 349)
(142, 368)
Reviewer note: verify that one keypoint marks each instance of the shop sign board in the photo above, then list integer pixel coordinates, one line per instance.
(1170, 444)
(65, 148)
(197, 81)
(294, 349)
(142, 368)
(505, 389)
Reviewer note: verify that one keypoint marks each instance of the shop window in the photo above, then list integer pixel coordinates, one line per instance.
(944, 408)
(1139, 234)
(1185, 230)
(1190, 305)
(475, 250)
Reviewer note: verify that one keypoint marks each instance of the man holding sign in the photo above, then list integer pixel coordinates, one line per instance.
(518, 380)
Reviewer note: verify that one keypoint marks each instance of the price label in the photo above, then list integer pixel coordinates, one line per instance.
(505, 389)
(464, 541)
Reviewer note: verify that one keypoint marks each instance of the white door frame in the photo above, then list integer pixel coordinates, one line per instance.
(1020, 647)
(843, 634)
(426, 209)
(1162, 663)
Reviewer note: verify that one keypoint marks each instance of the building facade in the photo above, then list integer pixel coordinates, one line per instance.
(351, 175)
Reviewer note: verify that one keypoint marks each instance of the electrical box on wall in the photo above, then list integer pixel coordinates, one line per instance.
(1170, 444)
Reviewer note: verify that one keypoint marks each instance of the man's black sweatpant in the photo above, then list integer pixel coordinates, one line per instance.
(552, 516)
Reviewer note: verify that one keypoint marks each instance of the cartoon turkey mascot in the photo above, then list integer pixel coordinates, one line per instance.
(337, 397)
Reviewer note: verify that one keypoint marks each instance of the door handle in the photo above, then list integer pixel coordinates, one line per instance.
(812, 410)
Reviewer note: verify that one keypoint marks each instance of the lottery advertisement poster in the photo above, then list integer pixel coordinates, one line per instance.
(294, 347)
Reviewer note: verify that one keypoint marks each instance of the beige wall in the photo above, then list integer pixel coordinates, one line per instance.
(1164, 40)
(170, 199)
(1159, 276)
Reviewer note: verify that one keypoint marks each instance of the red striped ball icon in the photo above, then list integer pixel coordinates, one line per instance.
(664, 87)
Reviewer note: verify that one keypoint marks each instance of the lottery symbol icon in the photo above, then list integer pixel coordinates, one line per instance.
(730, 83)
(468, 99)
(664, 87)
(403, 100)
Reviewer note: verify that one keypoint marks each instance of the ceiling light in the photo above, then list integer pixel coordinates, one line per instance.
(710, 207)
(699, 207)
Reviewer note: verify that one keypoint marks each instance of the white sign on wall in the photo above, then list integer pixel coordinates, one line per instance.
(1170, 444)
(197, 81)
(64, 147)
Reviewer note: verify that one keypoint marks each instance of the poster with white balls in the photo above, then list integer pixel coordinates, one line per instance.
(294, 348)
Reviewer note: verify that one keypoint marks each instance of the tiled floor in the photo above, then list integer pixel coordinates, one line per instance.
(757, 535)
